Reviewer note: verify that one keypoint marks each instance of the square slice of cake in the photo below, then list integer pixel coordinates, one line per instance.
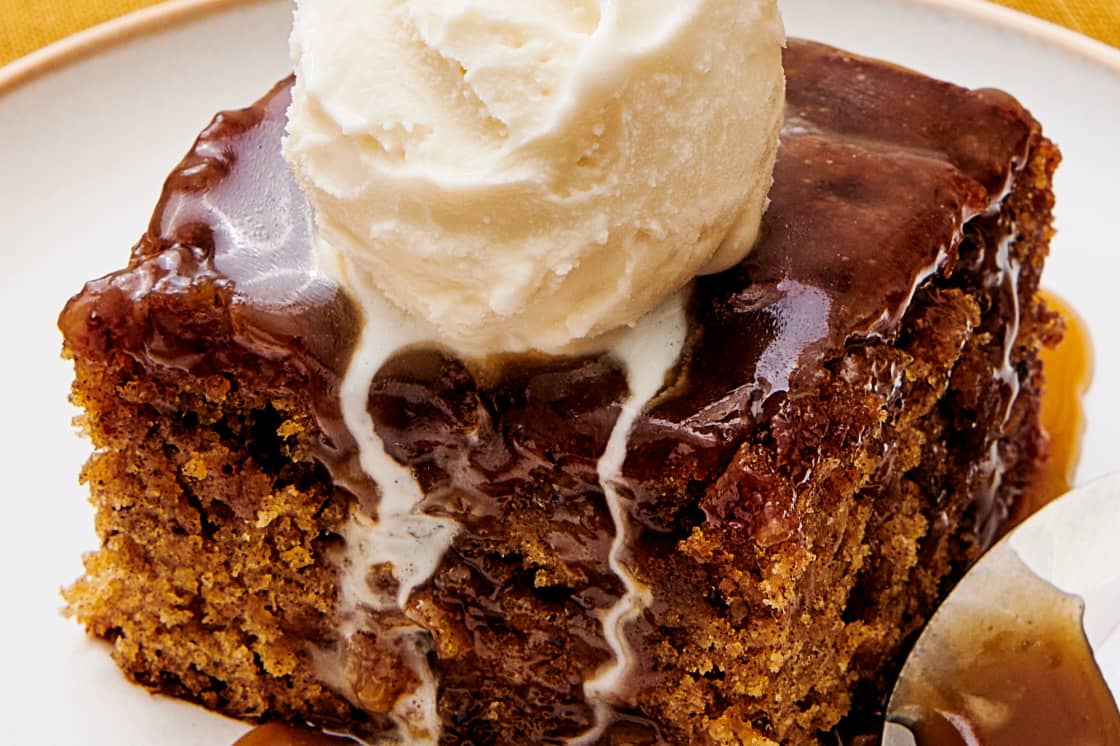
(736, 556)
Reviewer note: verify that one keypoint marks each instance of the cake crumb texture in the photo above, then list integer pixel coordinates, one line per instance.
(211, 579)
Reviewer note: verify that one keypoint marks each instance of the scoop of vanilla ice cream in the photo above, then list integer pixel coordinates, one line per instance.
(524, 174)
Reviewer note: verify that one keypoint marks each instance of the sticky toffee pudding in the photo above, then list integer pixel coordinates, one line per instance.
(839, 437)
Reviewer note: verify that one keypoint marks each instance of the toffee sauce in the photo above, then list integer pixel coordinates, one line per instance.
(278, 734)
(1069, 372)
(1020, 675)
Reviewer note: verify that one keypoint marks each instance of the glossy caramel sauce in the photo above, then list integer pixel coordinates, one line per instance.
(1036, 689)
(276, 734)
(1069, 372)
(1017, 673)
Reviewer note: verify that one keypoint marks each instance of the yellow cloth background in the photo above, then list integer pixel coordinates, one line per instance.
(26, 25)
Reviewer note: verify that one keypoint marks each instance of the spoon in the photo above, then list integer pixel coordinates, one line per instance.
(1026, 649)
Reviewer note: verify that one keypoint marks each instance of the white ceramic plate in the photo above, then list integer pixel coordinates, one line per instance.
(89, 129)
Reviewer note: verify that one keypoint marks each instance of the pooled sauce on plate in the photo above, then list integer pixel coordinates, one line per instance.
(275, 734)
(1069, 371)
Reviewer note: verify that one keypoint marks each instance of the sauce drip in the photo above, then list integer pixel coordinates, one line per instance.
(277, 734)
(1069, 372)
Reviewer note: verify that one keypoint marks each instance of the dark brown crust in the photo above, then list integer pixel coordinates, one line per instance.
(795, 531)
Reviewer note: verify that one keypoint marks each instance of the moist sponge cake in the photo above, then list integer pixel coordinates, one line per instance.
(853, 414)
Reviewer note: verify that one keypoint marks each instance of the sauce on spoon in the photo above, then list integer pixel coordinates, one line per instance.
(1018, 672)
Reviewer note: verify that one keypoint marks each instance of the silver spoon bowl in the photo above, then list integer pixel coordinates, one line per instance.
(1026, 649)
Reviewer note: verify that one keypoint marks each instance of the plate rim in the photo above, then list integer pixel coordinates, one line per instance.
(89, 42)
(83, 44)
